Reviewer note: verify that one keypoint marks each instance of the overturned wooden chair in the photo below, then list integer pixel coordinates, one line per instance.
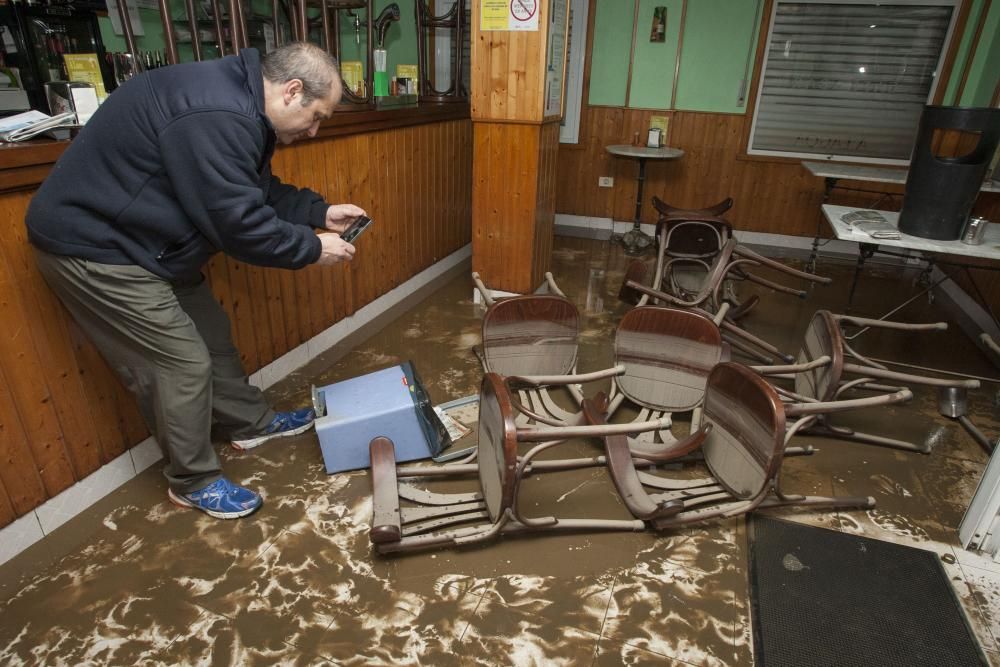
(691, 236)
(534, 334)
(744, 435)
(842, 369)
(665, 356)
(407, 517)
(709, 300)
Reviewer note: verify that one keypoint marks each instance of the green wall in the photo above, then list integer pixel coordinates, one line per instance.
(985, 69)
(400, 37)
(719, 38)
(612, 45)
(654, 63)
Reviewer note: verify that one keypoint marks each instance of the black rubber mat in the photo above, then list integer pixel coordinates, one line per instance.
(820, 597)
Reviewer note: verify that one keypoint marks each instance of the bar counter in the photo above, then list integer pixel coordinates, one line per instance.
(63, 413)
(23, 166)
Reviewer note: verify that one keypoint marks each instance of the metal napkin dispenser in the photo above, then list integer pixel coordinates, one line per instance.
(79, 97)
(392, 403)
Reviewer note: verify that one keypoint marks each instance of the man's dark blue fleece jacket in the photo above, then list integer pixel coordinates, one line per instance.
(174, 167)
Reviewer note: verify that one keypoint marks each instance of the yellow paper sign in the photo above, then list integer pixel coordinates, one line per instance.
(84, 67)
(353, 73)
(406, 72)
(494, 15)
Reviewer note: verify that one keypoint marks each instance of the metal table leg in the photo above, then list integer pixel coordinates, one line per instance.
(635, 240)
(865, 251)
(829, 185)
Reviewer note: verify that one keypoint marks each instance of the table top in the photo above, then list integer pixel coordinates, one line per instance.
(661, 153)
(857, 172)
(988, 249)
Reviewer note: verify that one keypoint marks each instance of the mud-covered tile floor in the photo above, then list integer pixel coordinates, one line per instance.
(136, 580)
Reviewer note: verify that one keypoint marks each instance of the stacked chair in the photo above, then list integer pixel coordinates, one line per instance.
(667, 360)
(697, 265)
(743, 436)
(831, 368)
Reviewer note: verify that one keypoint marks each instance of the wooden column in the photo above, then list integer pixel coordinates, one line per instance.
(515, 145)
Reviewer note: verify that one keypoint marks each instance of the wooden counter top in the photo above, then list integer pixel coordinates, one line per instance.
(24, 166)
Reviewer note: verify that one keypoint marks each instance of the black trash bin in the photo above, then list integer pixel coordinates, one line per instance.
(940, 191)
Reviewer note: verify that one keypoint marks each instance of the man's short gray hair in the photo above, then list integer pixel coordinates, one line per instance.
(316, 68)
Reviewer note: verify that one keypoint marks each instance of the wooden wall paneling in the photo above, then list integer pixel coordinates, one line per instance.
(545, 201)
(316, 178)
(7, 514)
(297, 170)
(292, 172)
(45, 327)
(441, 208)
(62, 378)
(217, 274)
(283, 312)
(455, 171)
(19, 472)
(417, 237)
(504, 214)
(113, 407)
(424, 237)
(366, 265)
(337, 169)
(390, 270)
(289, 301)
(362, 193)
(25, 370)
(433, 237)
(241, 313)
(257, 279)
(32, 400)
(513, 64)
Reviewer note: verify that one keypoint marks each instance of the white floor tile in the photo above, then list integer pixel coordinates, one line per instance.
(145, 454)
(18, 536)
(56, 511)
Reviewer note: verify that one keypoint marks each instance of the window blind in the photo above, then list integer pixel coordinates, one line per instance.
(848, 80)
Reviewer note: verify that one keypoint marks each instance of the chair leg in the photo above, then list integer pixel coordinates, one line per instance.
(829, 502)
(823, 428)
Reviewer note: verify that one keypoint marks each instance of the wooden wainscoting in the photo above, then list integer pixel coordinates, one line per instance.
(63, 413)
(514, 203)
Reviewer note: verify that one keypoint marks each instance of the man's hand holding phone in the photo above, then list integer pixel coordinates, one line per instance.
(340, 216)
(334, 250)
(358, 226)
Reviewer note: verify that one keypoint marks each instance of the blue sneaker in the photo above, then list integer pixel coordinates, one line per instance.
(221, 499)
(284, 423)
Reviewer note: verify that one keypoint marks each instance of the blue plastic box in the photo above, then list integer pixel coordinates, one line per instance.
(391, 403)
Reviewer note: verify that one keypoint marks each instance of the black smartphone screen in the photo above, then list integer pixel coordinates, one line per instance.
(358, 226)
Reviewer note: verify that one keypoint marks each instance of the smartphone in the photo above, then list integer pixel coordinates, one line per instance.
(358, 226)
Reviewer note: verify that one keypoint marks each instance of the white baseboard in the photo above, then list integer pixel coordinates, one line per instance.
(54, 512)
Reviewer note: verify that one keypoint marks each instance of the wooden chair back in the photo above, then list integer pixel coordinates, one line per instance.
(531, 335)
(745, 446)
(669, 212)
(697, 237)
(668, 354)
(823, 337)
(497, 448)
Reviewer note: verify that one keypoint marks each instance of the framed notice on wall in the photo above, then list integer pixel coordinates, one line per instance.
(508, 15)
(555, 57)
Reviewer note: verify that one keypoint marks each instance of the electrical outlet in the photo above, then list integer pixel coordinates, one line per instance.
(606, 181)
